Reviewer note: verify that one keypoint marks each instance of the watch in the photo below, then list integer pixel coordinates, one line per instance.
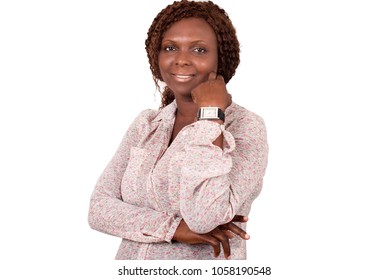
(210, 113)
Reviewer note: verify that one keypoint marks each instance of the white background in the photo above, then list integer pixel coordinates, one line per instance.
(74, 74)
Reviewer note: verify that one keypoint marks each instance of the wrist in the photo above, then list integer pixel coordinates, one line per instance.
(211, 113)
(217, 121)
(221, 107)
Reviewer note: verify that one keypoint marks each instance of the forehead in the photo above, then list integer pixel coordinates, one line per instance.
(194, 28)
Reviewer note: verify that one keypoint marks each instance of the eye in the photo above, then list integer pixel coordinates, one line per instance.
(169, 48)
(200, 50)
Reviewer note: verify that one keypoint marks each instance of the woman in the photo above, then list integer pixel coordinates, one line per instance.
(185, 173)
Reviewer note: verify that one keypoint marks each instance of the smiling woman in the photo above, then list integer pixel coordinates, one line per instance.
(182, 181)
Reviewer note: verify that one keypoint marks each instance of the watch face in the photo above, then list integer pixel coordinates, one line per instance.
(209, 112)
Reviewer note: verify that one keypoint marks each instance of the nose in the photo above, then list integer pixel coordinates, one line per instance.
(182, 58)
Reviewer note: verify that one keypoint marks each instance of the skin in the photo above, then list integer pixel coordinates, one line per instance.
(188, 62)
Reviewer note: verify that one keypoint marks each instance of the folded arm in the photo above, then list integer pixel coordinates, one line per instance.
(216, 182)
(108, 212)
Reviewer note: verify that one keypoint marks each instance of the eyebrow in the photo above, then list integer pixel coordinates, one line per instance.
(192, 42)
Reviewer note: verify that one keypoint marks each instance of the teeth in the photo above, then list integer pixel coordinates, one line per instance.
(183, 76)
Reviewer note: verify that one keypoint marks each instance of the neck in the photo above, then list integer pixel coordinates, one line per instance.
(186, 108)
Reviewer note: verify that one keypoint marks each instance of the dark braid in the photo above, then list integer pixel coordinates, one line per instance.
(217, 18)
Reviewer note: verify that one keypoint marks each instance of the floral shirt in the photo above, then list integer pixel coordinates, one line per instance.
(149, 186)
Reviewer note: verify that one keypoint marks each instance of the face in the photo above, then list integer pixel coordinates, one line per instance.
(188, 54)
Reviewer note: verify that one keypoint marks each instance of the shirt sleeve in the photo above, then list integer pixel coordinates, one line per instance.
(108, 213)
(215, 182)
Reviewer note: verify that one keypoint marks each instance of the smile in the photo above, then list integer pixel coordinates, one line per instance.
(183, 78)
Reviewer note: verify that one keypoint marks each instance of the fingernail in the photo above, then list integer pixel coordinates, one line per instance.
(247, 236)
(229, 257)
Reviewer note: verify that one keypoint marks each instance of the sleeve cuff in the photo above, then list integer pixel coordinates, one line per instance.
(205, 133)
(172, 229)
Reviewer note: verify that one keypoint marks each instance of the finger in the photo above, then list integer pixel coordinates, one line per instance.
(240, 219)
(220, 77)
(193, 97)
(212, 76)
(219, 235)
(237, 230)
(211, 240)
(228, 233)
(216, 248)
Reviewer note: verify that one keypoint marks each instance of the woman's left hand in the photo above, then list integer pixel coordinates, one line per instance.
(212, 93)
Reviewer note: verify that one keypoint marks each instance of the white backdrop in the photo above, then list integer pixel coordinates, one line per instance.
(74, 74)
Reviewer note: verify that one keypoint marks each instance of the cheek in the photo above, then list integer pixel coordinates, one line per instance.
(162, 64)
(211, 63)
(215, 66)
(208, 65)
(216, 63)
(161, 67)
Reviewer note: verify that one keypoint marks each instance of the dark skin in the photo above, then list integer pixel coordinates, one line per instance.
(218, 236)
(188, 62)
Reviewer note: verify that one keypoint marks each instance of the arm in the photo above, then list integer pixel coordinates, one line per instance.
(108, 213)
(216, 182)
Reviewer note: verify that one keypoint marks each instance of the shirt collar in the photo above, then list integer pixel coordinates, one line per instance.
(167, 113)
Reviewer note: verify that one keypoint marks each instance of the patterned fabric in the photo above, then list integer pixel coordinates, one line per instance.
(148, 186)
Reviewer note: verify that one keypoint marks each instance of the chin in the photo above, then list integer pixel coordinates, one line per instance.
(182, 91)
(183, 95)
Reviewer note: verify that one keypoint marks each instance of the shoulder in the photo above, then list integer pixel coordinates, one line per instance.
(249, 132)
(147, 115)
(240, 118)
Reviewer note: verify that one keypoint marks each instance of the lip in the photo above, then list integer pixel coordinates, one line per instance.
(183, 77)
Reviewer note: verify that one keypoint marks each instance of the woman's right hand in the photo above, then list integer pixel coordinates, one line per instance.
(220, 234)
